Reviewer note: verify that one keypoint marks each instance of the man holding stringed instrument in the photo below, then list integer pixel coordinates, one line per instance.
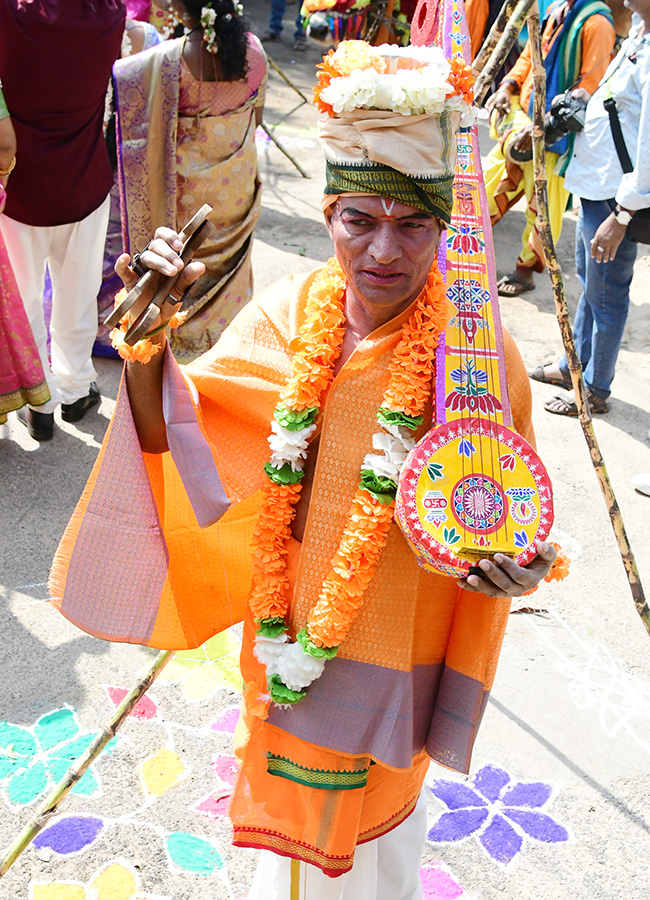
(263, 482)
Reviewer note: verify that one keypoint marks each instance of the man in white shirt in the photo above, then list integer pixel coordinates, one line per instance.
(609, 198)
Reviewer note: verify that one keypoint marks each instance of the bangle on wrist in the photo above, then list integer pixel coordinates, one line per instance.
(9, 169)
(509, 85)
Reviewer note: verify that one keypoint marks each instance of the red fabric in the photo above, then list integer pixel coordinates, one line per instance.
(55, 64)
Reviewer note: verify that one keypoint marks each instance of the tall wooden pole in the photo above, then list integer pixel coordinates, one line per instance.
(494, 34)
(500, 52)
(544, 229)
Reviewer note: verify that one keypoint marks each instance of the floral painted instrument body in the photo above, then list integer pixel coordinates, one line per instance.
(472, 487)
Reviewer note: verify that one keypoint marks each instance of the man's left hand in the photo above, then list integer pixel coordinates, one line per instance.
(502, 577)
(523, 140)
(606, 241)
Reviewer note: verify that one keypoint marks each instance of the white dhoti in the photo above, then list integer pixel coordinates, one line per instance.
(385, 869)
(74, 253)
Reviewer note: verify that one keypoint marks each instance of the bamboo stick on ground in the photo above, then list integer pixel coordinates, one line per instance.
(284, 150)
(50, 805)
(494, 34)
(544, 228)
(500, 52)
(277, 68)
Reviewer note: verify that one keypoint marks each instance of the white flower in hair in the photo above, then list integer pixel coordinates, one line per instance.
(208, 19)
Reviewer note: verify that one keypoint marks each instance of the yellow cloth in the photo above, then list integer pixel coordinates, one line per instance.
(506, 181)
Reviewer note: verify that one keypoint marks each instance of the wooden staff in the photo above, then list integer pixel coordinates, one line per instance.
(287, 79)
(562, 312)
(502, 49)
(492, 39)
(277, 143)
(49, 806)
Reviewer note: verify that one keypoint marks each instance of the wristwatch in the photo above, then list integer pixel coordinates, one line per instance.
(622, 216)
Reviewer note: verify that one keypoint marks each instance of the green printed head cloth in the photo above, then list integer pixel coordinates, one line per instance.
(391, 115)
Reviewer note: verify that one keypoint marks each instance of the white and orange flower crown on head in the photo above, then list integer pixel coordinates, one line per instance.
(390, 120)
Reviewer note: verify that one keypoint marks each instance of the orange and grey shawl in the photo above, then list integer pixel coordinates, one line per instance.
(412, 679)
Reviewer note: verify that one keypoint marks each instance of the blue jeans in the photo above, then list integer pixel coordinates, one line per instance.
(604, 302)
(277, 12)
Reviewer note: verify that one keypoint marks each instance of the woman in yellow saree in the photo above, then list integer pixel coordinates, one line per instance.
(187, 113)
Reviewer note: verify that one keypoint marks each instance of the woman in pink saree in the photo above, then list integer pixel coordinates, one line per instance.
(21, 373)
(187, 112)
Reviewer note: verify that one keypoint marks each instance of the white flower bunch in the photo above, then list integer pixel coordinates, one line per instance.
(289, 446)
(410, 92)
(394, 449)
(296, 668)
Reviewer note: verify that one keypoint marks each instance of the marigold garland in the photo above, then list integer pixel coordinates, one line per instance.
(409, 386)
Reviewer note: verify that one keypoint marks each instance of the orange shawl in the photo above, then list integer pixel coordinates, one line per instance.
(413, 677)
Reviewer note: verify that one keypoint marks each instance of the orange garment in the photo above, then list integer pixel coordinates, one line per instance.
(477, 12)
(597, 41)
(311, 799)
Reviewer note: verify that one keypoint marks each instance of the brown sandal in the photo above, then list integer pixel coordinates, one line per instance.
(566, 406)
(537, 374)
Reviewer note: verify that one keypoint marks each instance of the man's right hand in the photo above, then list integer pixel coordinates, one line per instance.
(144, 382)
(162, 256)
(499, 101)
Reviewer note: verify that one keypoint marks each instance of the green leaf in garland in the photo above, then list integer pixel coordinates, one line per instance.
(377, 484)
(389, 417)
(280, 693)
(312, 649)
(283, 475)
(384, 499)
(295, 421)
(271, 627)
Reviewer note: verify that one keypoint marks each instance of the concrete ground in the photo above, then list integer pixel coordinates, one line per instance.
(558, 801)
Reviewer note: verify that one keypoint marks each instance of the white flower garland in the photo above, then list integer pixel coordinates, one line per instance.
(289, 446)
(288, 660)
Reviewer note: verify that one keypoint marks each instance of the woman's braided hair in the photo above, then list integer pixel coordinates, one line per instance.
(230, 33)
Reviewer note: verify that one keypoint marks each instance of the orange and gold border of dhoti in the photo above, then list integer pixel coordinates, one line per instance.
(264, 839)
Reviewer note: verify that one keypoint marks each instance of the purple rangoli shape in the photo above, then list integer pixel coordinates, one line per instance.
(70, 835)
(498, 812)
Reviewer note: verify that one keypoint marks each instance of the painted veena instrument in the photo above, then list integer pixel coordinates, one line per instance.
(472, 486)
